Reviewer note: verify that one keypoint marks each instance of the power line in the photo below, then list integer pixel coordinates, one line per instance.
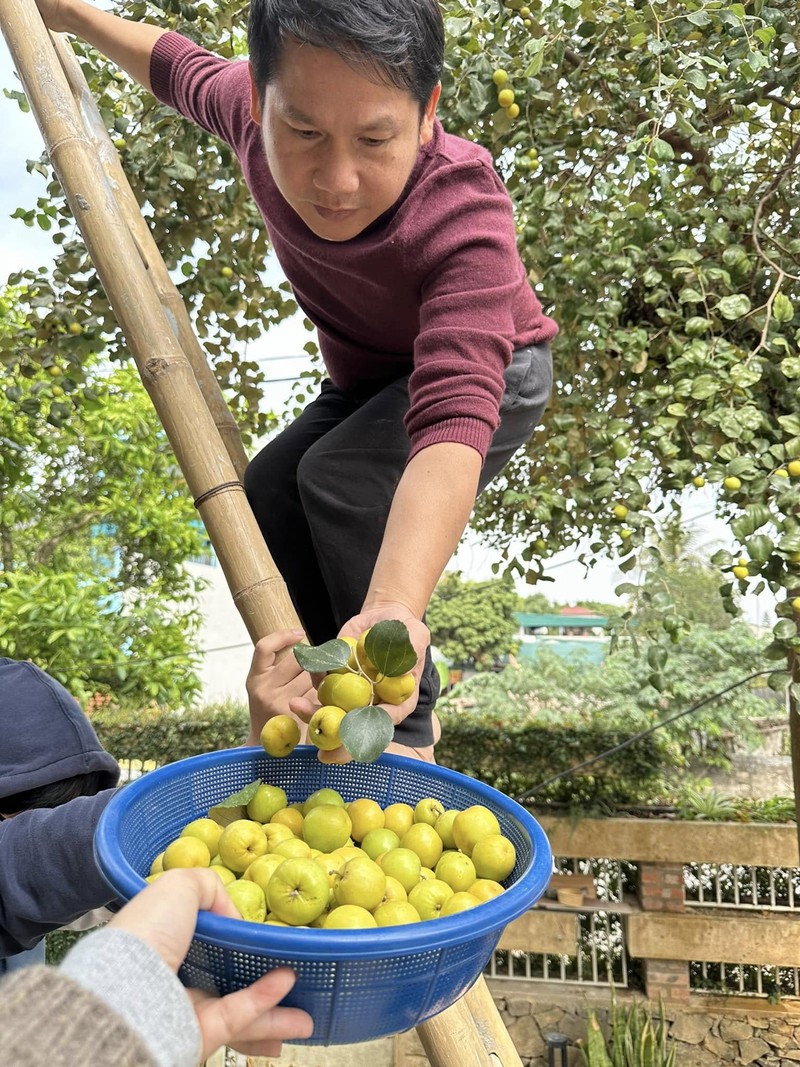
(638, 737)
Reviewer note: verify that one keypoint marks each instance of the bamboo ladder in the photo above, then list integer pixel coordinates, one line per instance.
(189, 403)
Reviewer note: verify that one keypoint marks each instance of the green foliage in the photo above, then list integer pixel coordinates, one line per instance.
(710, 805)
(682, 583)
(637, 1038)
(473, 622)
(95, 525)
(520, 727)
(653, 172)
(167, 734)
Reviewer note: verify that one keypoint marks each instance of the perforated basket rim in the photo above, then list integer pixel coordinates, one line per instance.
(316, 944)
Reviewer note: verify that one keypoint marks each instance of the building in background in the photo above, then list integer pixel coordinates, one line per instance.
(570, 632)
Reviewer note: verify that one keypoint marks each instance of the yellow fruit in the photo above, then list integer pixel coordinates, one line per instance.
(292, 848)
(472, 824)
(75, 328)
(298, 892)
(265, 802)
(224, 875)
(699, 481)
(361, 881)
(457, 903)
(423, 839)
(444, 827)
(494, 857)
(458, 870)
(398, 817)
(157, 866)
(365, 815)
(248, 898)
(226, 272)
(54, 371)
(732, 483)
(428, 810)
(394, 690)
(327, 827)
(275, 832)
(362, 660)
(345, 691)
(781, 472)
(323, 796)
(120, 143)
(740, 572)
(241, 842)
(402, 865)
(505, 98)
(500, 77)
(620, 512)
(429, 897)
(485, 889)
(793, 467)
(207, 830)
(323, 728)
(349, 917)
(291, 818)
(280, 735)
(186, 852)
(395, 913)
(261, 870)
(796, 604)
(512, 111)
(394, 890)
(378, 841)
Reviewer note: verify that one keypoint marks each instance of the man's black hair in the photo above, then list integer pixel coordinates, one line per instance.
(399, 42)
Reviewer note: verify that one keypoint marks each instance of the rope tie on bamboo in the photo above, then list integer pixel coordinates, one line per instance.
(223, 487)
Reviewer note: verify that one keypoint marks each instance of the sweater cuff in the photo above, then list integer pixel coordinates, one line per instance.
(475, 433)
(132, 979)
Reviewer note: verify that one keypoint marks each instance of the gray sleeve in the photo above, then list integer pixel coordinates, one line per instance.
(133, 980)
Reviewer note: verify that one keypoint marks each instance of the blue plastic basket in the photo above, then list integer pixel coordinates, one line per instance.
(358, 985)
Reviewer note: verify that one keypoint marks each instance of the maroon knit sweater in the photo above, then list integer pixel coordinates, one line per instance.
(434, 287)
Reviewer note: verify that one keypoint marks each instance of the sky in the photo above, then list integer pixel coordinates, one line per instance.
(281, 356)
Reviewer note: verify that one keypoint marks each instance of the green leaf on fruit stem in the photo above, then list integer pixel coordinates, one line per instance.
(389, 647)
(233, 807)
(321, 658)
(784, 629)
(365, 732)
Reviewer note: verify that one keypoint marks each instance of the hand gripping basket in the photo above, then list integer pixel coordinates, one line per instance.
(358, 985)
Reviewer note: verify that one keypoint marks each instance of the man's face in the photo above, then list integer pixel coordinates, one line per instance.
(339, 146)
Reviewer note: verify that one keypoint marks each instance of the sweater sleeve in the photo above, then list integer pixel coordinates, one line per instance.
(48, 876)
(467, 311)
(132, 979)
(47, 1017)
(210, 91)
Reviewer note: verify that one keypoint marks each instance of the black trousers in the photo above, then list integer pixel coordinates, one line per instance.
(322, 489)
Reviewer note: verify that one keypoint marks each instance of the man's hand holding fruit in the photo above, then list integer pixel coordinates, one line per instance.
(371, 673)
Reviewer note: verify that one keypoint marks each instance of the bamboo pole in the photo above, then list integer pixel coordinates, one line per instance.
(258, 590)
(471, 1032)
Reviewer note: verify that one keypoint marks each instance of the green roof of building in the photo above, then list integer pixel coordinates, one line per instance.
(533, 620)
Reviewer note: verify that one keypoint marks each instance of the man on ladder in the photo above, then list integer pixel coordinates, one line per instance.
(399, 242)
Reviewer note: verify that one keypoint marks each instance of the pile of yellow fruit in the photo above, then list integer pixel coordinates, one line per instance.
(335, 865)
